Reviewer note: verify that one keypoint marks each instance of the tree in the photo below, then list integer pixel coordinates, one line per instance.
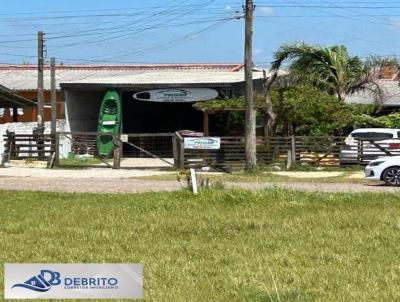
(385, 121)
(305, 110)
(331, 69)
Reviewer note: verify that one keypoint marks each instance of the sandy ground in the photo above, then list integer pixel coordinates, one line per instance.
(147, 162)
(100, 173)
(87, 185)
(105, 180)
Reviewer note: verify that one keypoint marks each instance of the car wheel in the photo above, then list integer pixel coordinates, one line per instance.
(391, 176)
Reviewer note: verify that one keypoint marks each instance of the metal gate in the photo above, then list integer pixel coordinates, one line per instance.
(145, 150)
(132, 150)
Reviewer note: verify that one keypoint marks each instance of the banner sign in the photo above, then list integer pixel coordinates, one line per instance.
(202, 143)
(177, 95)
(73, 281)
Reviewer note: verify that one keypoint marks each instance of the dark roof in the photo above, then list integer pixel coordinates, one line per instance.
(9, 99)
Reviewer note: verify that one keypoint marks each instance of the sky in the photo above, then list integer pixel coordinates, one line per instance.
(161, 31)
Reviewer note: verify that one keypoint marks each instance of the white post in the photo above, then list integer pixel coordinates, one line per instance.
(194, 180)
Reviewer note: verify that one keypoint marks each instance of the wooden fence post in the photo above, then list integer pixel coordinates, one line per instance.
(180, 151)
(360, 144)
(117, 152)
(289, 160)
(57, 149)
(174, 151)
(181, 154)
(293, 149)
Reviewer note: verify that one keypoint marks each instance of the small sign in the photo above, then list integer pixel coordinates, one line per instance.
(177, 95)
(73, 281)
(202, 143)
(124, 138)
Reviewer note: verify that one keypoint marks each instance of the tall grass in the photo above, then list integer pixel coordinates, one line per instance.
(233, 245)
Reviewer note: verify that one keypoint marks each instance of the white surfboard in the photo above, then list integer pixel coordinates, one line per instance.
(176, 95)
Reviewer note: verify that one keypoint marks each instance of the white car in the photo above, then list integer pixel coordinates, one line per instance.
(369, 143)
(385, 169)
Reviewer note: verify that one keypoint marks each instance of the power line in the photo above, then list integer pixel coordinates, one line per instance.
(141, 30)
(337, 15)
(173, 42)
(106, 33)
(154, 48)
(324, 16)
(329, 6)
(118, 29)
(142, 8)
(346, 9)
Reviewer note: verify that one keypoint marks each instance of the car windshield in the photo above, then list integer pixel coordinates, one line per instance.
(372, 135)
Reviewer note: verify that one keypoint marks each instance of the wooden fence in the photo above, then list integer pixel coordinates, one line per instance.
(321, 151)
(78, 145)
(29, 146)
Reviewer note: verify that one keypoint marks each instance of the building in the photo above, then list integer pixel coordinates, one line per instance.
(83, 97)
(389, 84)
(80, 89)
(22, 80)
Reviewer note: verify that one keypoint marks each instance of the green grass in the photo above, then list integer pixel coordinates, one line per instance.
(81, 162)
(269, 176)
(233, 245)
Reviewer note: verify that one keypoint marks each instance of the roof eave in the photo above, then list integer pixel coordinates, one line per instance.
(9, 100)
(142, 86)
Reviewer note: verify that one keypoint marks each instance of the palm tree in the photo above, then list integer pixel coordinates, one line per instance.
(329, 68)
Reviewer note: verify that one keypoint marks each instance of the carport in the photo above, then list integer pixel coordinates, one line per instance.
(83, 100)
(8, 99)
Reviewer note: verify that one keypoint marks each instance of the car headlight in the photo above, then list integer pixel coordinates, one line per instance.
(375, 163)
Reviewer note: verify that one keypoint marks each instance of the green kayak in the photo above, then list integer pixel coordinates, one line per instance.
(109, 122)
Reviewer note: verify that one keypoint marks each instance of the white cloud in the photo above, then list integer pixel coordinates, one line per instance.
(265, 10)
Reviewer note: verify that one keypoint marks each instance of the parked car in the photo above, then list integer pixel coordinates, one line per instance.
(370, 143)
(385, 169)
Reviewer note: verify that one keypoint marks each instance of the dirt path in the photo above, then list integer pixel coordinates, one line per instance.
(113, 185)
(86, 185)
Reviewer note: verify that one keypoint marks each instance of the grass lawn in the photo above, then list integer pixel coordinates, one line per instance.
(345, 175)
(81, 162)
(234, 245)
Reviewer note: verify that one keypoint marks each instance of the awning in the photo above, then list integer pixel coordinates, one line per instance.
(8, 99)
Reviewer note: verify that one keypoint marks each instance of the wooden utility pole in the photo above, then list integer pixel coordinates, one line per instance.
(250, 118)
(53, 96)
(40, 88)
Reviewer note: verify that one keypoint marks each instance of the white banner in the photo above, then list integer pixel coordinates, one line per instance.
(73, 281)
(202, 143)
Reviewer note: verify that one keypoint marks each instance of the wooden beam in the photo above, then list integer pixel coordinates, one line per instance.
(15, 114)
(53, 96)
(206, 123)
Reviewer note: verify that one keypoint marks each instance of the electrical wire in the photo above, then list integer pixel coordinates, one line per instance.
(155, 47)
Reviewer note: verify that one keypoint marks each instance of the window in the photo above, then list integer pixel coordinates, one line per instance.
(372, 135)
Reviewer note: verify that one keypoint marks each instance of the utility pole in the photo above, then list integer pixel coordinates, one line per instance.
(53, 96)
(40, 88)
(250, 118)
